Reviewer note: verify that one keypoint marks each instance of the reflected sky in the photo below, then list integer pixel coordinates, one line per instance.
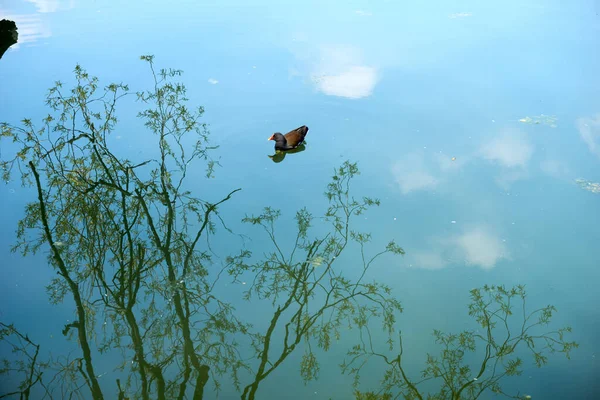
(476, 246)
(429, 98)
(589, 130)
(31, 27)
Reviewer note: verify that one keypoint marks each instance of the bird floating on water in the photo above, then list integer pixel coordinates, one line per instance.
(290, 140)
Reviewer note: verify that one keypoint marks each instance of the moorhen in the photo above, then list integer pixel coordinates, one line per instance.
(290, 140)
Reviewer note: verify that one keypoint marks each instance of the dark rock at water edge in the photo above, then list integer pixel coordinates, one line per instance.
(8, 35)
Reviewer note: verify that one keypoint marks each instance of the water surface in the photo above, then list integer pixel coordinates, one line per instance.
(471, 122)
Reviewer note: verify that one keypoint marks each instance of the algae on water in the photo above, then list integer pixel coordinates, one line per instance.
(549, 120)
(593, 187)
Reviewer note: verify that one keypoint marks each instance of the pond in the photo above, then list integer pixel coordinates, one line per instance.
(454, 144)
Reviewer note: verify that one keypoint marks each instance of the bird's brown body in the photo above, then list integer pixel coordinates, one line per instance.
(290, 140)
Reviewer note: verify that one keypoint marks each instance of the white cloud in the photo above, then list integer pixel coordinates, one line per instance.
(555, 168)
(460, 15)
(477, 246)
(33, 27)
(589, 131)
(509, 150)
(30, 28)
(50, 6)
(424, 171)
(336, 70)
(411, 173)
(512, 151)
(481, 248)
(354, 83)
(363, 13)
(507, 177)
(45, 6)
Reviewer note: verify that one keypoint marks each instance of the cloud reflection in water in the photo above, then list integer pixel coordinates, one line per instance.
(477, 246)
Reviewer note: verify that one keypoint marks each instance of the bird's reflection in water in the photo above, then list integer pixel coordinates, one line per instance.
(280, 155)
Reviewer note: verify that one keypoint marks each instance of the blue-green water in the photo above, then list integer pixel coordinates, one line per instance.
(436, 101)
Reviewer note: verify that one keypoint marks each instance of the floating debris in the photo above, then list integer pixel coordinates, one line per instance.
(593, 187)
(460, 15)
(315, 262)
(453, 158)
(549, 120)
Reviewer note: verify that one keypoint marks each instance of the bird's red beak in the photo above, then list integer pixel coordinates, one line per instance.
(272, 137)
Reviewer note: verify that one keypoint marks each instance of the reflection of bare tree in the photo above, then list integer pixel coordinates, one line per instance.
(124, 235)
(27, 351)
(312, 294)
(127, 238)
(506, 327)
(52, 377)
